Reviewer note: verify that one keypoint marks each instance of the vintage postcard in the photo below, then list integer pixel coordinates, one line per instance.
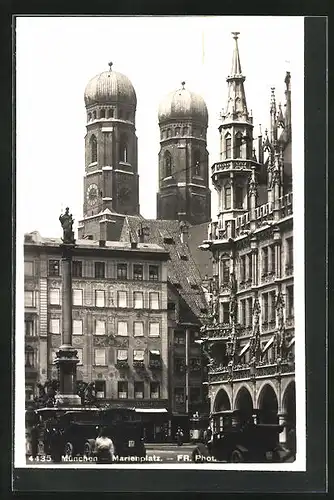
(160, 213)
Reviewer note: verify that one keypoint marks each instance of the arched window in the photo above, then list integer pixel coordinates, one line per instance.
(227, 200)
(237, 147)
(239, 197)
(29, 357)
(123, 152)
(111, 113)
(228, 146)
(93, 148)
(102, 113)
(197, 162)
(185, 131)
(89, 116)
(169, 132)
(94, 115)
(177, 131)
(167, 164)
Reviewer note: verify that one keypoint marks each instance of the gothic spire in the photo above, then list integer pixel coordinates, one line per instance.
(236, 109)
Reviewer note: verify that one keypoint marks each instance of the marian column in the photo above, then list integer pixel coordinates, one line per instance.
(67, 359)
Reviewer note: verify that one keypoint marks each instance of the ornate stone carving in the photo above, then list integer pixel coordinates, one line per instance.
(255, 345)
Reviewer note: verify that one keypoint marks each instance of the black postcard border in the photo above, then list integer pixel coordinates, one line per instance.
(97, 480)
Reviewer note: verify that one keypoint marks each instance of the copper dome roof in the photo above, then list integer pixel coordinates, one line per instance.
(183, 104)
(110, 87)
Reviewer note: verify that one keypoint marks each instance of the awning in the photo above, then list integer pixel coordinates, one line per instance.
(151, 410)
(268, 344)
(155, 352)
(292, 341)
(244, 349)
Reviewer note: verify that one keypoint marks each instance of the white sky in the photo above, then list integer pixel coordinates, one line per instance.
(57, 56)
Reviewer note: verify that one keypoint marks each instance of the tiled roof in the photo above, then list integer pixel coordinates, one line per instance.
(183, 273)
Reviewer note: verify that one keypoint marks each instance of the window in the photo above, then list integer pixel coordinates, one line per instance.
(155, 359)
(137, 272)
(110, 113)
(289, 252)
(179, 365)
(55, 325)
(250, 267)
(169, 132)
(153, 273)
(242, 267)
(99, 298)
(102, 113)
(93, 147)
(89, 116)
(122, 389)
(272, 259)
(29, 326)
(29, 298)
(227, 192)
(168, 164)
(77, 296)
(100, 389)
(122, 355)
(77, 327)
(122, 271)
(30, 357)
(29, 392)
(197, 162)
(227, 147)
(100, 269)
(80, 355)
(28, 268)
(195, 364)
(265, 260)
(94, 115)
(123, 153)
(54, 296)
(155, 390)
(290, 304)
(264, 308)
(237, 147)
(226, 271)
(154, 300)
(242, 317)
(77, 269)
(138, 355)
(100, 357)
(154, 329)
(272, 314)
(225, 312)
(122, 328)
(138, 300)
(122, 299)
(138, 328)
(179, 338)
(54, 268)
(239, 197)
(179, 395)
(139, 390)
(100, 327)
(249, 311)
(185, 131)
(195, 394)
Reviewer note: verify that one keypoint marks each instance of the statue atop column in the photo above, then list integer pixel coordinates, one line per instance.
(66, 221)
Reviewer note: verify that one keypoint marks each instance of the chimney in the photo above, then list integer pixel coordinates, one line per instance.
(184, 232)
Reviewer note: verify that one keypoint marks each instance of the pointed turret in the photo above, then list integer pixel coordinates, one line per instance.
(236, 109)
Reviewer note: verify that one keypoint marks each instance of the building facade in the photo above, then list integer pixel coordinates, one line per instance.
(184, 192)
(249, 335)
(119, 318)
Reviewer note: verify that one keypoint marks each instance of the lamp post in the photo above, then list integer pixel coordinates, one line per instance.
(66, 357)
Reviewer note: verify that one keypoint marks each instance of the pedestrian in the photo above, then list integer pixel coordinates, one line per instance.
(104, 447)
(207, 435)
(179, 436)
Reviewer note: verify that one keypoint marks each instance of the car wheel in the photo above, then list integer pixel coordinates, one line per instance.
(236, 457)
(68, 449)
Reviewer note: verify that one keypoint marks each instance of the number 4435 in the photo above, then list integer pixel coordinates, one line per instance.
(40, 458)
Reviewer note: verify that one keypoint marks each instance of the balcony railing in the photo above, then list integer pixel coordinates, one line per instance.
(238, 372)
(222, 332)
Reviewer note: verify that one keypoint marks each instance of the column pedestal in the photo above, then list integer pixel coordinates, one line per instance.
(282, 421)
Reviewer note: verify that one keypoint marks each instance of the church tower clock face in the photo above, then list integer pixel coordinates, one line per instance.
(92, 194)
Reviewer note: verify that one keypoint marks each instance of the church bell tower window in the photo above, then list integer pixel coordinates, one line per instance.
(102, 113)
(168, 164)
(228, 146)
(238, 143)
(123, 149)
(197, 162)
(93, 148)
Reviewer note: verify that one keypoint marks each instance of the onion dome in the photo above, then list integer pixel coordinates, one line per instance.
(110, 87)
(182, 104)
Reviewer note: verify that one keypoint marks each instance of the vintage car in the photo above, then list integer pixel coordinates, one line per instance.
(71, 432)
(237, 438)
